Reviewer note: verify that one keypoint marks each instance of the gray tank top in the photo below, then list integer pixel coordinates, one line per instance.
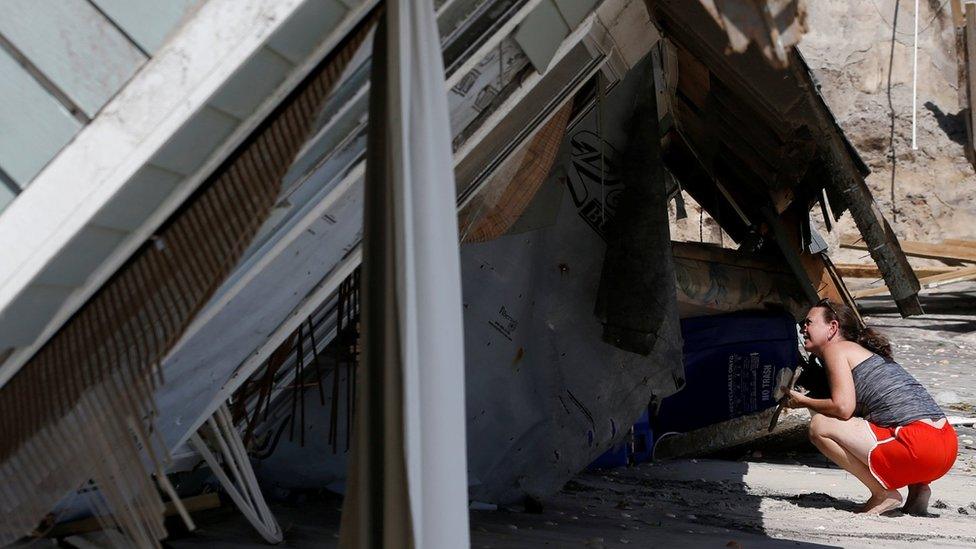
(889, 396)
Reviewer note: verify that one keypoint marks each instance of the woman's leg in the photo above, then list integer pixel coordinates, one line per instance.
(848, 443)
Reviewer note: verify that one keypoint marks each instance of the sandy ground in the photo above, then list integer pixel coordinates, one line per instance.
(710, 503)
(686, 503)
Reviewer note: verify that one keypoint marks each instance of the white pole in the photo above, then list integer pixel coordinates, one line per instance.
(428, 279)
(915, 79)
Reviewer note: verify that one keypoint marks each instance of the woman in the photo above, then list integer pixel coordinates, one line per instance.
(879, 423)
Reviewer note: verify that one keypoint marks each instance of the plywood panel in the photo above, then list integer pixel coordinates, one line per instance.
(148, 22)
(308, 27)
(33, 125)
(74, 46)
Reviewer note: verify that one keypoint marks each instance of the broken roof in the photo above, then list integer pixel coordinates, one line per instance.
(765, 137)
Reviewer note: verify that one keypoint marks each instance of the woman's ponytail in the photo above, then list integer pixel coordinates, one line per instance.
(874, 341)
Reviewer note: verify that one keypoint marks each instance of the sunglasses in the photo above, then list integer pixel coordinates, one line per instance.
(822, 303)
(826, 303)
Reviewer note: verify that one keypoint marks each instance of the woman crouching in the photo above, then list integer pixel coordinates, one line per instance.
(879, 423)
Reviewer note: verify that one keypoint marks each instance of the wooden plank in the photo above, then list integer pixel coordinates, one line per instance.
(712, 253)
(789, 243)
(816, 267)
(919, 249)
(934, 281)
(960, 242)
(33, 125)
(845, 178)
(147, 22)
(83, 526)
(74, 46)
(694, 79)
(958, 13)
(839, 284)
(870, 270)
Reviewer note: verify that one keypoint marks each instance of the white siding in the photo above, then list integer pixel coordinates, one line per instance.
(74, 46)
(33, 125)
(148, 22)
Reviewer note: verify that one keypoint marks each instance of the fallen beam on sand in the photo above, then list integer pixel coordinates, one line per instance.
(960, 242)
(868, 270)
(956, 421)
(728, 434)
(927, 250)
(934, 281)
(192, 504)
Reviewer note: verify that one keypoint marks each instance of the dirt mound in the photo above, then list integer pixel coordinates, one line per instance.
(861, 52)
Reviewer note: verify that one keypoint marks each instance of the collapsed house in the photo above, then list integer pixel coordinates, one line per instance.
(199, 292)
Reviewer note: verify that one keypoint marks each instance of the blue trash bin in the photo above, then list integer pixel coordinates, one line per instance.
(731, 364)
(637, 447)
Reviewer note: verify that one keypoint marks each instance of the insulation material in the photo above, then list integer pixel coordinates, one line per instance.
(83, 407)
(511, 188)
(712, 281)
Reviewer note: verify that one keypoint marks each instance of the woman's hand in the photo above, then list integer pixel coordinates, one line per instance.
(796, 399)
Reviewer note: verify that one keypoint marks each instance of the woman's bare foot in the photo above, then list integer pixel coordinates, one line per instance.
(918, 499)
(881, 503)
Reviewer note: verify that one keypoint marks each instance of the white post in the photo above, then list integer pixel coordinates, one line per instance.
(915, 79)
(429, 278)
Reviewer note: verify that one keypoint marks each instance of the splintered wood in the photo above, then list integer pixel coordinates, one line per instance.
(949, 250)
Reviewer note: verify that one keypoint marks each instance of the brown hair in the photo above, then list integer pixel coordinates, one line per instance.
(852, 329)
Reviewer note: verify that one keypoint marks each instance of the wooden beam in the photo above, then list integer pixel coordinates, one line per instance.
(970, 56)
(919, 249)
(788, 242)
(192, 504)
(712, 253)
(841, 287)
(845, 179)
(870, 270)
(693, 78)
(960, 242)
(934, 281)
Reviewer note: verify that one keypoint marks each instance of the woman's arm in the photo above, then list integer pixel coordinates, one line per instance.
(842, 399)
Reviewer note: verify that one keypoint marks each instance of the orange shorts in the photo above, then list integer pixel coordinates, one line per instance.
(912, 454)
